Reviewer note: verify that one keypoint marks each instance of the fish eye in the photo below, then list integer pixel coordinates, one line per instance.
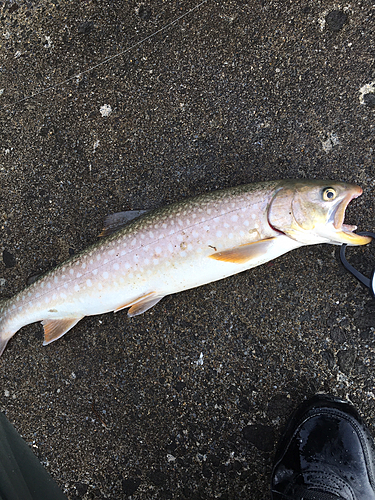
(329, 194)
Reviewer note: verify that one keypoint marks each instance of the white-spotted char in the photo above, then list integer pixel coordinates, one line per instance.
(182, 246)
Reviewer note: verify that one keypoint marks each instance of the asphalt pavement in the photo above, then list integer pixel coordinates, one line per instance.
(110, 106)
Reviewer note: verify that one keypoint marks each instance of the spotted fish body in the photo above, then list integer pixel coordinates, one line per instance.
(182, 246)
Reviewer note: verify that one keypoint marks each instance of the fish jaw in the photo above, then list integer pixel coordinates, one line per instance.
(299, 210)
(344, 232)
(339, 233)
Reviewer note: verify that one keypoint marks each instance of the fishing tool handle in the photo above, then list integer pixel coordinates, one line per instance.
(368, 282)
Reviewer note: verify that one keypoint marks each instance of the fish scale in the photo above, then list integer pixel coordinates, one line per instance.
(178, 247)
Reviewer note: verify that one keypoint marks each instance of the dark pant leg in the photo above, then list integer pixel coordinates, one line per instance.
(22, 477)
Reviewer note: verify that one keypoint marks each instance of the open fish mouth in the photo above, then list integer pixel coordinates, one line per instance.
(345, 232)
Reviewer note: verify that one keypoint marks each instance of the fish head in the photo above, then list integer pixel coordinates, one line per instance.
(313, 212)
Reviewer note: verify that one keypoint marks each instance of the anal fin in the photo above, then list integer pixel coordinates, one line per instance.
(141, 304)
(244, 253)
(56, 328)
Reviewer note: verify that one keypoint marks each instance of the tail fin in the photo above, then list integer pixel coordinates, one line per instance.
(4, 333)
(3, 344)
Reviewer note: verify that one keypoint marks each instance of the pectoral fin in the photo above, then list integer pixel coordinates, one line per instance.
(56, 328)
(244, 253)
(117, 221)
(141, 304)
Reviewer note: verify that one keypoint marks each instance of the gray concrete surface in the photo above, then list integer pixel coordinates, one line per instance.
(235, 92)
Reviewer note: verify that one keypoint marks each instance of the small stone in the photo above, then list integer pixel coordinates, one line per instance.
(179, 386)
(85, 27)
(130, 486)
(261, 436)
(369, 100)
(336, 19)
(144, 12)
(329, 358)
(345, 360)
(81, 489)
(157, 477)
(105, 110)
(8, 259)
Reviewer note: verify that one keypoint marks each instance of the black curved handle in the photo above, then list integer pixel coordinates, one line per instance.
(366, 281)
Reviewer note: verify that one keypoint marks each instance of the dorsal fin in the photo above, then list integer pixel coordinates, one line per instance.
(116, 221)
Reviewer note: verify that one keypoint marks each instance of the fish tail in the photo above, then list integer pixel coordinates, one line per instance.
(5, 330)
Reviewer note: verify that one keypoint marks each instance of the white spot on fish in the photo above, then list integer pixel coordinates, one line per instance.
(76, 288)
(83, 266)
(253, 216)
(100, 286)
(78, 275)
(63, 295)
(88, 282)
(136, 258)
(246, 223)
(95, 272)
(147, 261)
(158, 250)
(219, 234)
(230, 236)
(116, 267)
(46, 300)
(91, 262)
(105, 261)
(155, 261)
(105, 275)
(234, 218)
(151, 234)
(71, 271)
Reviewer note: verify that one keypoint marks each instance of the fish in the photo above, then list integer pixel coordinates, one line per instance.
(181, 246)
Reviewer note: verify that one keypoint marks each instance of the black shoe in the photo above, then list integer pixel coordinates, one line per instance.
(326, 453)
